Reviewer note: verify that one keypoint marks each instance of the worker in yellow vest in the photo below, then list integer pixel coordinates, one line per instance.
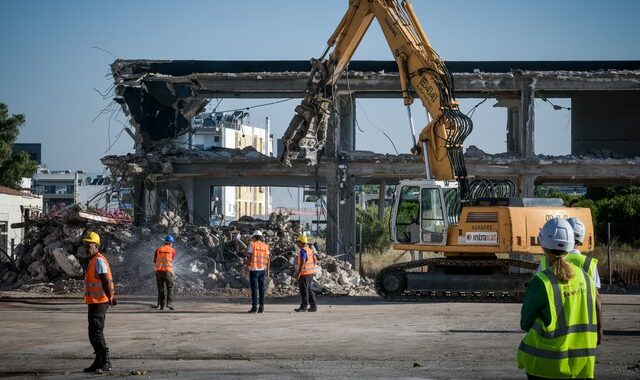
(99, 293)
(587, 263)
(559, 313)
(305, 271)
(258, 265)
(163, 260)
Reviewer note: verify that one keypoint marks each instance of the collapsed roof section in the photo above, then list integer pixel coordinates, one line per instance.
(158, 110)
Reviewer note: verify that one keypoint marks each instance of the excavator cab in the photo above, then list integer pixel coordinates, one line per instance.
(423, 211)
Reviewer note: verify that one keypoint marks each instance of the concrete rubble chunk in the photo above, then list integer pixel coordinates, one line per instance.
(68, 263)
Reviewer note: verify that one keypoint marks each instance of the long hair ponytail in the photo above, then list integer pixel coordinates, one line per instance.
(561, 268)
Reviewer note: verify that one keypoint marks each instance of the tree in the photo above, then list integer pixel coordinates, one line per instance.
(13, 166)
(376, 234)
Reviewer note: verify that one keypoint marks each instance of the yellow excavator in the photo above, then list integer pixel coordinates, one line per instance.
(483, 236)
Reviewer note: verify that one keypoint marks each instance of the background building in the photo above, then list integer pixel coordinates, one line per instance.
(12, 205)
(232, 130)
(57, 187)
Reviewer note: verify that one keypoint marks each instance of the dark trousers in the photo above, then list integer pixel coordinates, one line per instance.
(97, 314)
(258, 285)
(306, 293)
(162, 279)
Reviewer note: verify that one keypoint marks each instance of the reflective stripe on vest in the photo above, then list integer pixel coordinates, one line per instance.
(310, 265)
(259, 256)
(164, 259)
(93, 290)
(563, 349)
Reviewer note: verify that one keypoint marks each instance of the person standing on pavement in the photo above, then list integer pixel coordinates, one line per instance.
(99, 293)
(163, 260)
(305, 271)
(587, 263)
(559, 313)
(258, 265)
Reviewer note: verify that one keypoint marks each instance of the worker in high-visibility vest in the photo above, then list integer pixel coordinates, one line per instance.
(559, 313)
(258, 265)
(99, 293)
(587, 263)
(163, 260)
(306, 269)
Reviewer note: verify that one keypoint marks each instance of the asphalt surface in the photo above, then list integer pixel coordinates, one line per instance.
(349, 337)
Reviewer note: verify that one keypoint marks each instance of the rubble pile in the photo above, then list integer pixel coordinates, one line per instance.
(51, 257)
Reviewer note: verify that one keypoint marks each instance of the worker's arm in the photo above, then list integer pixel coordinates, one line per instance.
(599, 316)
(303, 262)
(535, 304)
(268, 262)
(155, 256)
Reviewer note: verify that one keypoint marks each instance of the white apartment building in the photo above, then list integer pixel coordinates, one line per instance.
(232, 130)
(57, 187)
(13, 205)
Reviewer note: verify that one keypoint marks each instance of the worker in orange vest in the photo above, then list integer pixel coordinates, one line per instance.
(306, 269)
(258, 264)
(99, 293)
(163, 260)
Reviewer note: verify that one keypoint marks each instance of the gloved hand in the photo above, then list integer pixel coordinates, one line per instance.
(113, 302)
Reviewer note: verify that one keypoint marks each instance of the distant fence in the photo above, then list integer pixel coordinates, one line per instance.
(618, 251)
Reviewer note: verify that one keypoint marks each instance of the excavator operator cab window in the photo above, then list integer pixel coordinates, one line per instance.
(408, 215)
(432, 216)
(420, 216)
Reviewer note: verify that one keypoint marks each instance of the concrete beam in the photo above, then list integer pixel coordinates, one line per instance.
(366, 168)
(384, 85)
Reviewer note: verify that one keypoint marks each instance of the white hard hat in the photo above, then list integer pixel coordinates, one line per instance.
(557, 234)
(257, 233)
(578, 228)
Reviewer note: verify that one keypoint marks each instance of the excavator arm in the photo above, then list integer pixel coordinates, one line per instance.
(421, 71)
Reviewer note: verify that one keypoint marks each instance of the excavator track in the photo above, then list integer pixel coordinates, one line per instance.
(395, 277)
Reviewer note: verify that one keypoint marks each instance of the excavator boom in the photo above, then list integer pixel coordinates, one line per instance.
(421, 71)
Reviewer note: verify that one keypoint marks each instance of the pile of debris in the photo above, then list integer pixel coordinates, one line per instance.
(51, 257)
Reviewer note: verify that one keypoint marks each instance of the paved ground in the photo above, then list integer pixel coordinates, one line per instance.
(351, 337)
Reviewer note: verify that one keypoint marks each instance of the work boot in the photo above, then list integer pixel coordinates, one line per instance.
(301, 308)
(156, 306)
(170, 306)
(93, 366)
(104, 363)
(260, 309)
(253, 310)
(161, 306)
(313, 308)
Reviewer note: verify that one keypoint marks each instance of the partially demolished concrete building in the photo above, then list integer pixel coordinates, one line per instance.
(160, 98)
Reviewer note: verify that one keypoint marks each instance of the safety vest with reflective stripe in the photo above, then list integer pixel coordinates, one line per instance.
(259, 256)
(565, 348)
(310, 265)
(164, 258)
(93, 290)
(587, 263)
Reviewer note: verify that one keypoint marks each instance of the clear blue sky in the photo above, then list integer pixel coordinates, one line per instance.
(51, 72)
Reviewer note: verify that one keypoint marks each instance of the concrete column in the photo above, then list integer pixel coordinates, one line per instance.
(332, 215)
(381, 197)
(526, 186)
(526, 128)
(341, 207)
(200, 202)
(512, 104)
(347, 122)
(139, 214)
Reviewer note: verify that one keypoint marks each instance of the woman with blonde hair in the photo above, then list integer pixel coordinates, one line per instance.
(559, 313)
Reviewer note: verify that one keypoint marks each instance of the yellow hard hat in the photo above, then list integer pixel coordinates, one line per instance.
(302, 239)
(92, 237)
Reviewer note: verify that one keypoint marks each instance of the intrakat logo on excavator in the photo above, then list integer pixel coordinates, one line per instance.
(481, 237)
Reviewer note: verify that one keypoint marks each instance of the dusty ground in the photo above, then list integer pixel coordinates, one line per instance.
(350, 337)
